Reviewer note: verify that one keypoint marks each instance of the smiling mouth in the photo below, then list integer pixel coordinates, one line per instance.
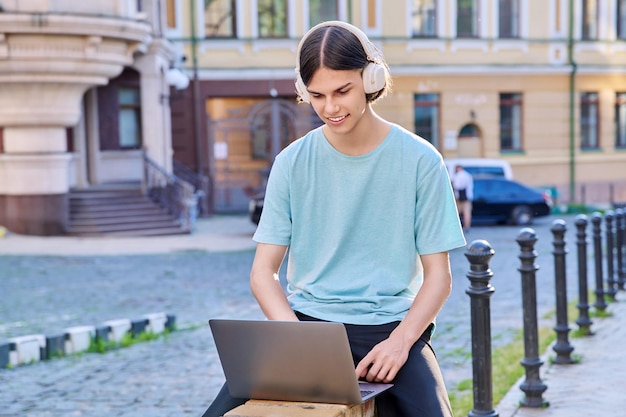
(336, 119)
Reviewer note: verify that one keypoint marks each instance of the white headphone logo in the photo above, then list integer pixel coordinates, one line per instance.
(374, 73)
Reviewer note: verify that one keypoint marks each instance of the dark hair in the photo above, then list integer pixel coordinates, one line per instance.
(335, 48)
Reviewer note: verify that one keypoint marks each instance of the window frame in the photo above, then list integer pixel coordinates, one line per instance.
(589, 120)
(620, 23)
(435, 120)
(513, 18)
(516, 100)
(432, 20)
(590, 24)
(135, 108)
(472, 16)
(233, 23)
(260, 22)
(312, 22)
(620, 120)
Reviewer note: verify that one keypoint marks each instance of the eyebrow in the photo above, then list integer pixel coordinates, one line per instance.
(337, 89)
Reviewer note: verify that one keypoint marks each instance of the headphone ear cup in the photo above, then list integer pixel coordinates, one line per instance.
(374, 78)
(301, 89)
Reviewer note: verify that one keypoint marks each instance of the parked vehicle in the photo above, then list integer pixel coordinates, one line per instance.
(481, 166)
(496, 200)
(499, 200)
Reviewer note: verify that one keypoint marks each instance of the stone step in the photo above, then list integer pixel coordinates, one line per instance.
(127, 212)
(123, 211)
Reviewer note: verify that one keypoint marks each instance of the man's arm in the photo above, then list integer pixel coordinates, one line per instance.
(265, 284)
(384, 361)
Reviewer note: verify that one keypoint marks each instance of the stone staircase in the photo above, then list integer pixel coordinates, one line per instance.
(120, 210)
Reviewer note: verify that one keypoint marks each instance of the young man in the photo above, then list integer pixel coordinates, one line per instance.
(367, 212)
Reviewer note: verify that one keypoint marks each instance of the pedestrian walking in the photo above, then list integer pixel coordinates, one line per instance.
(463, 185)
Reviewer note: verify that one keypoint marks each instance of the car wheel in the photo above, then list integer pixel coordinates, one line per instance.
(522, 216)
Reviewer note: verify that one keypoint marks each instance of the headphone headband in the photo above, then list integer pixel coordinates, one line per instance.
(374, 74)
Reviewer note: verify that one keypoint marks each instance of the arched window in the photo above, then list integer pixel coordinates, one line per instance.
(470, 130)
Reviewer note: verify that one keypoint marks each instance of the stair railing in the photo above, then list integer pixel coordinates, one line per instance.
(171, 193)
(201, 183)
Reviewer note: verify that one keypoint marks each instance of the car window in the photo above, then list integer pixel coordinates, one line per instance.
(494, 188)
(491, 171)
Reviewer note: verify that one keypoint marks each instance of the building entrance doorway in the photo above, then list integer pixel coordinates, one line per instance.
(245, 135)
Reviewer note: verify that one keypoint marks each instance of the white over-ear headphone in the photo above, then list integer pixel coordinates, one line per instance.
(374, 73)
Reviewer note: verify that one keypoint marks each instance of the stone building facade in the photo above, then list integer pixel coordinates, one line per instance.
(540, 84)
(83, 94)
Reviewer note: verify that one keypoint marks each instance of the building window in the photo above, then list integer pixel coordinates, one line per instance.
(621, 19)
(620, 120)
(467, 19)
(322, 10)
(426, 114)
(272, 18)
(424, 18)
(511, 122)
(129, 118)
(170, 13)
(589, 120)
(590, 20)
(220, 19)
(509, 19)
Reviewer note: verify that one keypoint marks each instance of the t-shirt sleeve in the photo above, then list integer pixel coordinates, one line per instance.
(437, 224)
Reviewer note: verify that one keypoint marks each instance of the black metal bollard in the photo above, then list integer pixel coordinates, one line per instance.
(532, 386)
(596, 220)
(562, 346)
(619, 243)
(479, 252)
(583, 320)
(611, 281)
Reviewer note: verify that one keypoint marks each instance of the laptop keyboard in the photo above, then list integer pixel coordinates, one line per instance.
(365, 392)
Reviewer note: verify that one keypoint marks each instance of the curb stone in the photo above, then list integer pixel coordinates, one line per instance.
(23, 350)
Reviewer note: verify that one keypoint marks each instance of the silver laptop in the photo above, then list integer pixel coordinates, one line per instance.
(306, 361)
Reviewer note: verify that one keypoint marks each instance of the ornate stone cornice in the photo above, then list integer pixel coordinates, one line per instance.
(47, 62)
(78, 25)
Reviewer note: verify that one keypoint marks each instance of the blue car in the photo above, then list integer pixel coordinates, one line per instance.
(503, 201)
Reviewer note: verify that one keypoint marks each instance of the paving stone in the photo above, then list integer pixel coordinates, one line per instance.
(179, 375)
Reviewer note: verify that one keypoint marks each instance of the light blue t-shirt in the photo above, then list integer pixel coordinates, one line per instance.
(356, 224)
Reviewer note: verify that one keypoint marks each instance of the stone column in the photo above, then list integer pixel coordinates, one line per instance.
(35, 162)
(155, 103)
(47, 62)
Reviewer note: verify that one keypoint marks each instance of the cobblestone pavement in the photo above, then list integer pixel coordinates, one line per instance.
(47, 284)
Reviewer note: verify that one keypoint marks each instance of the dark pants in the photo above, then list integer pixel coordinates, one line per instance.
(418, 390)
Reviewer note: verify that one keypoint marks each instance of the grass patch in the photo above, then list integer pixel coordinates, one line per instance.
(103, 346)
(506, 367)
(600, 313)
(506, 371)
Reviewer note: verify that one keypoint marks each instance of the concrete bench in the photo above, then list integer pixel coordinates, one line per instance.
(266, 408)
